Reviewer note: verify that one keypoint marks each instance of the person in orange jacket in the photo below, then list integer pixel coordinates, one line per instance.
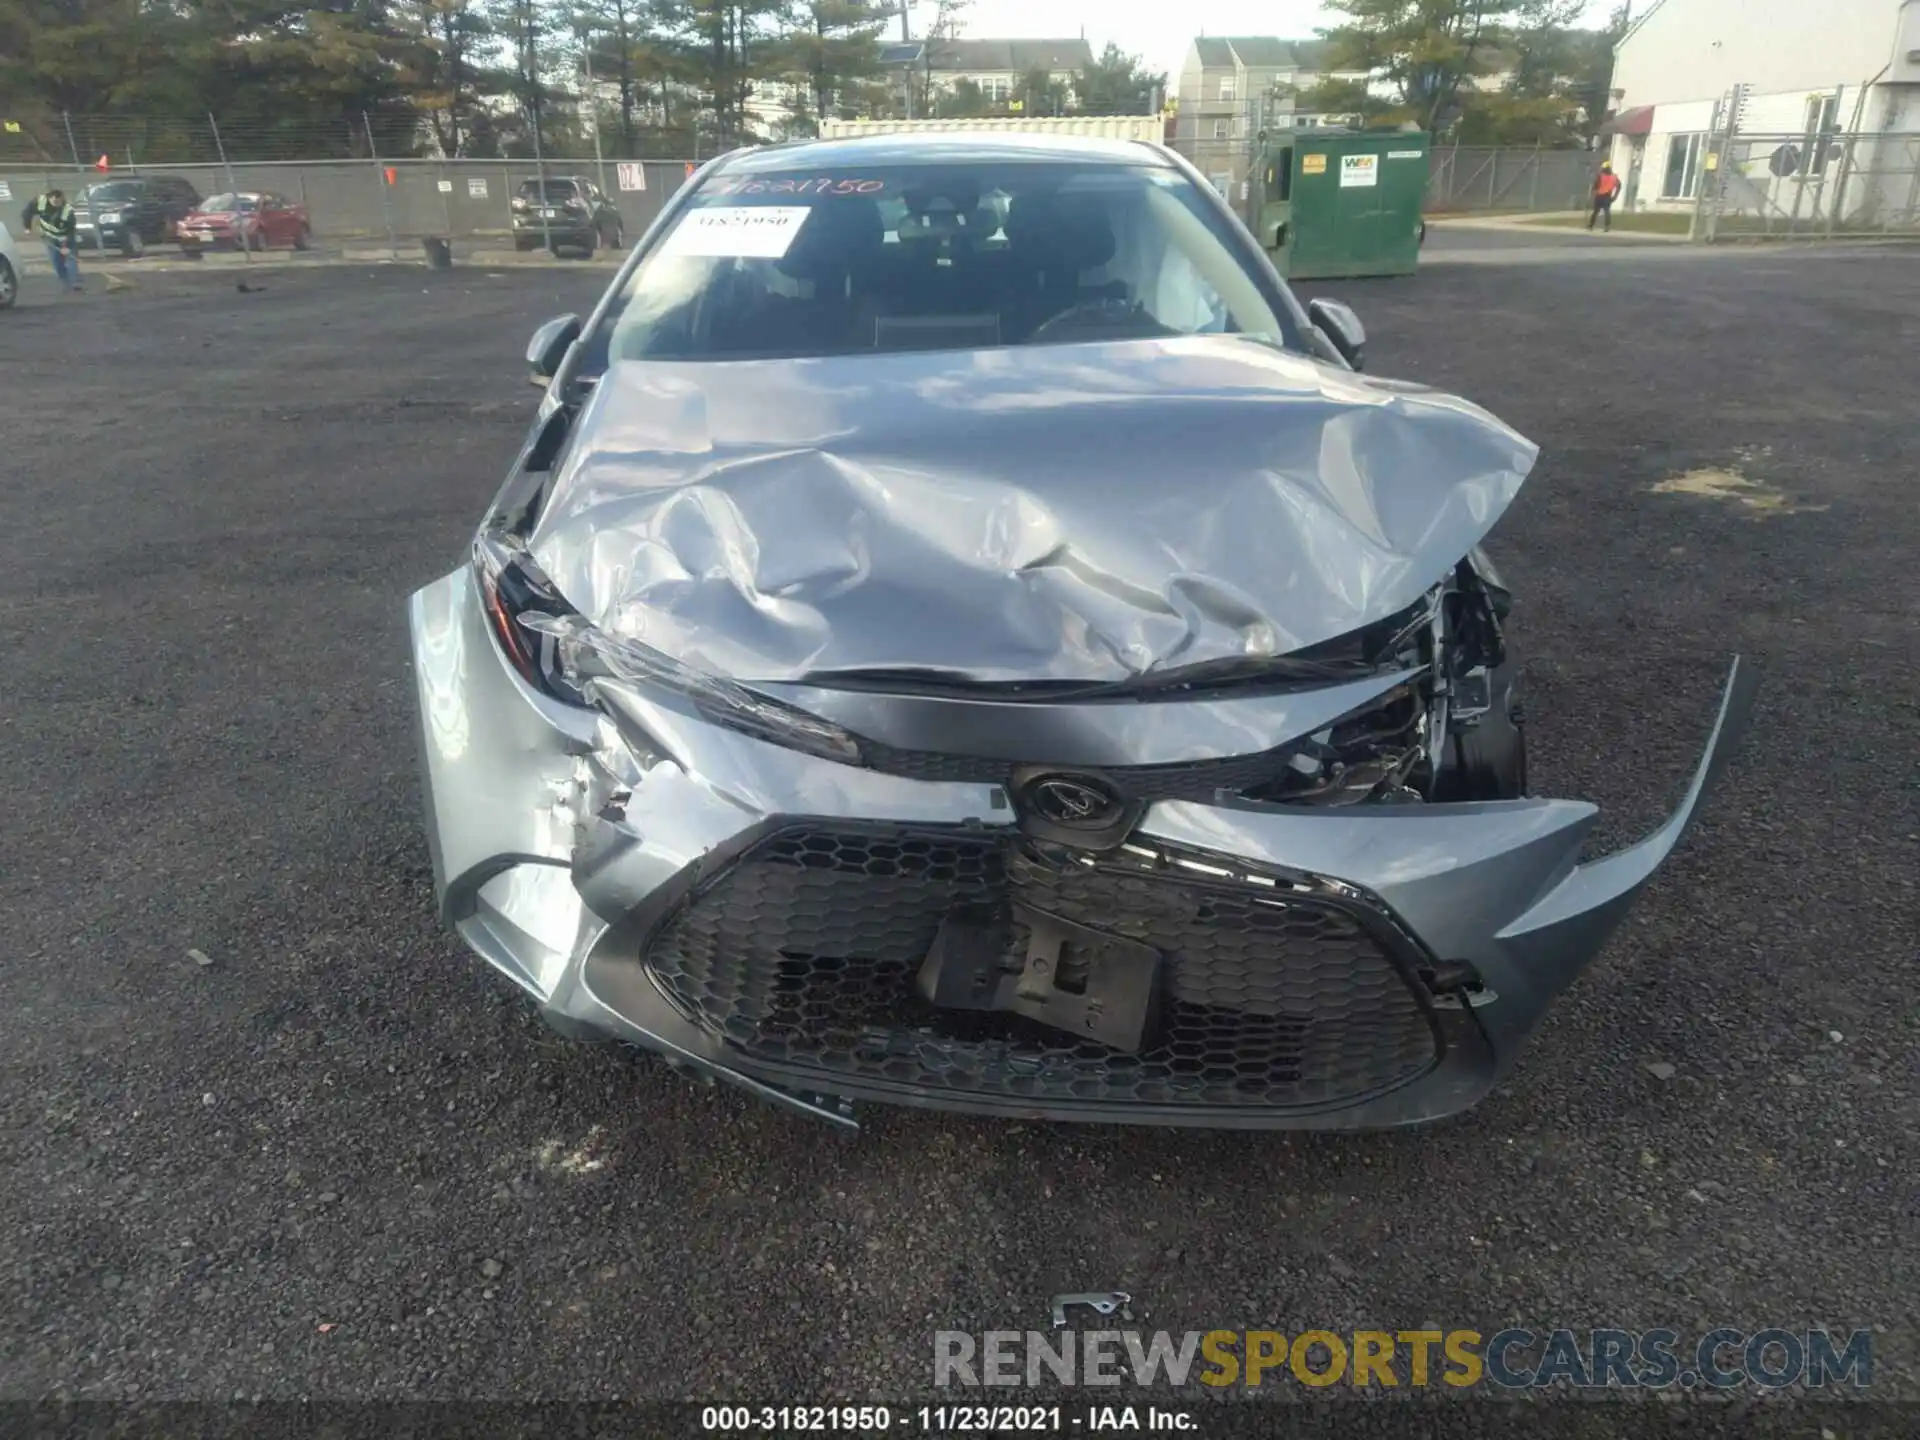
(1606, 188)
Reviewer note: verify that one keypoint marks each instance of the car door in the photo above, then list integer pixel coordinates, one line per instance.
(275, 219)
(181, 201)
(141, 209)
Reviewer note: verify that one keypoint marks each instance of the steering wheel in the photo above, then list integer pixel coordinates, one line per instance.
(1101, 314)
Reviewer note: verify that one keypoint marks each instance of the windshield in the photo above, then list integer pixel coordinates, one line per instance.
(113, 190)
(558, 191)
(226, 204)
(951, 256)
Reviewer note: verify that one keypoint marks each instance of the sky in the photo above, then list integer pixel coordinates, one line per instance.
(1156, 30)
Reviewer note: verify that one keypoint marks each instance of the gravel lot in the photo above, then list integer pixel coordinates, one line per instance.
(342, 1159)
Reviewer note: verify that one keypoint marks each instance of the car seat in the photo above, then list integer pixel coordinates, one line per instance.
(939, 286)
(1056, 239)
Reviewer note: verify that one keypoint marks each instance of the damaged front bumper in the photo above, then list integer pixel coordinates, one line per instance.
(764, 917)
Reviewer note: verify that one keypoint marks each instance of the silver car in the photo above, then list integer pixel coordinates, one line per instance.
(959, 633)
(10, 269)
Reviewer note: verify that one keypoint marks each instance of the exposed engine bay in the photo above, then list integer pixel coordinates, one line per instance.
(1454, 733)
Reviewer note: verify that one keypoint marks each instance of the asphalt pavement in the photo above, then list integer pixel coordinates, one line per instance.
(268, 1131)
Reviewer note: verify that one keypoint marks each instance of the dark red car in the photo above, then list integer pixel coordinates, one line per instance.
(254, 219)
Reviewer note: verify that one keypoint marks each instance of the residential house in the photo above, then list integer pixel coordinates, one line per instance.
(998, 66)
(772, 106)
(1815, 78)
(1233, 87)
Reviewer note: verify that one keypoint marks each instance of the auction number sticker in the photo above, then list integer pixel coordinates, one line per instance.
(1359, 170)
(792, 185)
(759, 232)
(1313, 164)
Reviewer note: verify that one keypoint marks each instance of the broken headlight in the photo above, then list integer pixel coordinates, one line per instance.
(514, 591)
(560, 653)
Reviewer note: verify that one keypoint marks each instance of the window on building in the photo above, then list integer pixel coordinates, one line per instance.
(1682, 180)
(1221, 129)
(1823, 123)
(1226, 87)
(996, 88)
(1222, 181)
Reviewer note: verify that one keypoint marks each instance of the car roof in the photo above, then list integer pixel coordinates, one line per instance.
(941, 147)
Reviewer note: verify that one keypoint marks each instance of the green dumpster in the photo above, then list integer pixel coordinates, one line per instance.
(1329, 203)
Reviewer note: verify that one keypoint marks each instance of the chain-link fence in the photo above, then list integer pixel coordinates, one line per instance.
(1462, 178)
(1466, 178)
(566, 133)
(387, 202)
(1800, 186)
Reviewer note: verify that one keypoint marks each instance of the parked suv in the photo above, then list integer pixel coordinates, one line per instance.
(128, 215)
(573, 210)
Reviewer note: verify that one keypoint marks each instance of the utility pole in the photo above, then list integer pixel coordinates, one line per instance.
(530, 70)
(584, 28)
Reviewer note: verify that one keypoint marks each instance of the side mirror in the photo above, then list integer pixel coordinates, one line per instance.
(1342, 329)
(549, 347)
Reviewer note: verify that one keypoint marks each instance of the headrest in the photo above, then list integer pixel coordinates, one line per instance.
(841, 234)
(1071, 232)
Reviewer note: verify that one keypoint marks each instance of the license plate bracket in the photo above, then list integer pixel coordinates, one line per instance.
(1070, 978)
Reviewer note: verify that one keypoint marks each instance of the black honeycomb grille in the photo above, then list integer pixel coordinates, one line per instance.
(803, 956)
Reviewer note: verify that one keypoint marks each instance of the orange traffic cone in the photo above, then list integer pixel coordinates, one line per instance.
(102, 164)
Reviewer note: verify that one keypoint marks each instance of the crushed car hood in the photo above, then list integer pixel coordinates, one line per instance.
(1090, 512)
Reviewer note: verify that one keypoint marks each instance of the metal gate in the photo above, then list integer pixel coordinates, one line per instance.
(1785, 186)
(1491, 177)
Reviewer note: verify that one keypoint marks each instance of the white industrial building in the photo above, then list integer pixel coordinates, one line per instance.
(1813, 76)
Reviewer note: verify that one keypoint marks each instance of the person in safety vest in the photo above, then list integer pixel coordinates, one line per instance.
(57, 227)
(1606, 188)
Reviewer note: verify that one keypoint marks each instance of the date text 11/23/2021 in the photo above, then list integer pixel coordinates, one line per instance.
(943, 1419)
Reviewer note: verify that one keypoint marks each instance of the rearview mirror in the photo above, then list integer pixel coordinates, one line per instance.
(549, 347)
(1342, 329)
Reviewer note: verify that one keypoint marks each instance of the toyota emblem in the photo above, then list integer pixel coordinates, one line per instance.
(1073, 801)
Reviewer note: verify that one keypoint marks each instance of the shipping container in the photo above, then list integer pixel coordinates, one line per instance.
(1150, 128)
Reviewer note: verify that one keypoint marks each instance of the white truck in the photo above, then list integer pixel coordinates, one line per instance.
(1105, 127)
